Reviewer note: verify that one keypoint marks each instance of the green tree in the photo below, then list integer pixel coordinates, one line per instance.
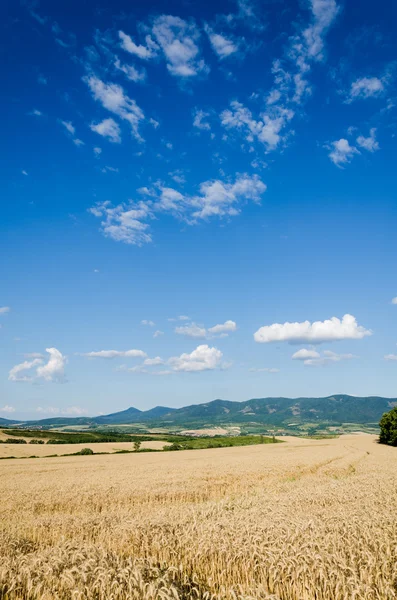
(137, 445)
(388, 428)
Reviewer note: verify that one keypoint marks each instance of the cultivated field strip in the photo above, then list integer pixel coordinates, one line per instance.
(304, 520)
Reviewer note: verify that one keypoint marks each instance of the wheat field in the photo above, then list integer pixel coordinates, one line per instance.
(303, 520)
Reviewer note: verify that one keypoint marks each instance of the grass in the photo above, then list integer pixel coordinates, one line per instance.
(302, 520)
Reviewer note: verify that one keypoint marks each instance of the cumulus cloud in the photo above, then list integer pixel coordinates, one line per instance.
(327, 358)
(225, 327)
(203, 358)
(153, 362)
(365, 87)
(304, 354)
(198, 120)
(178, 41)
(342, 152)
(144, 52)
(368, 143)
(220, 199)
(114, 99)
(195, 331)
(130, 72)
(390, 357)
(124, 223)
(109, 129)
(17, 373)
(7, 409)
(109, 354)
(4, 310)
(268, 128)
(157, 333)
(330, 330)
(394, 300)
(146, 322)
(53, 370)
(221, 45)
(192, 330)
(324, 13)
(128, 222)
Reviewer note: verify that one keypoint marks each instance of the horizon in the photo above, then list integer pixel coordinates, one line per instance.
(200, 202)
(93, 416)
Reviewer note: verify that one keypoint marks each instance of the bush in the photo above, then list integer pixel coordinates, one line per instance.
(85, 451)
(37, 442)
(388, 428)
(13, 441)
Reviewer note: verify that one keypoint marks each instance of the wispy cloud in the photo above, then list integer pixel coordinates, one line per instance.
(108, 128)
(114, 99)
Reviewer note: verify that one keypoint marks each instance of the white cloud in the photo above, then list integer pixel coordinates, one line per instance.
(36, 113)
(330, 330)
(109, 354)
(196, 331)
(15, 373)
(390, 357)
(328, 358)
(180, 318)
(177, 39)
(304, 354)
(368, 143)
(264, 370)
(198, 120)
(267, 129)
(157, 333)
(394, 300)
(221, 199)
(33, 355)
(365, 87)
(177, 176)
(324, 13)
(127, 222)
(97, 151)
(225, 327)
(24, 173)
(69, 127)
(153, 362)
(54, 369)
(124, 223)
(342, 152)
(203, 358)
(113, 98)
(107, 169)
(4, 310)
(222, 46)
(107, 128)
(7, 409)
(192, 330)
(69, 411)
(145, 52)
(130, 71)
(146, 322)
(78, 142)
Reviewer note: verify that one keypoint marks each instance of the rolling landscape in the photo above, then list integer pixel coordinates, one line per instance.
(341, 413)
(198, 300)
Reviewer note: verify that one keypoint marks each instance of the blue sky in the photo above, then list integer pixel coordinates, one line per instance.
(199, 201)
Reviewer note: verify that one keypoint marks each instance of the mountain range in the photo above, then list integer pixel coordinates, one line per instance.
(337, 409)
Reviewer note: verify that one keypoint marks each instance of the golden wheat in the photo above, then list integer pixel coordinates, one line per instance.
(302, 520)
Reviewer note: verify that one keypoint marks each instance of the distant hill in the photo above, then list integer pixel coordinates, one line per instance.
(279, 412)
(7, 422)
